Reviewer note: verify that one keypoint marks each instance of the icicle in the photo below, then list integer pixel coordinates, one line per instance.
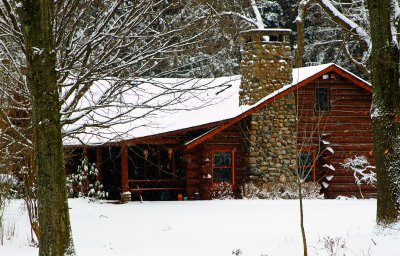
(325, 184)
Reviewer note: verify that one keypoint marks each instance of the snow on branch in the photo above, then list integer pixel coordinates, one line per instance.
(361, 65)
(240, 16)
(104, 50)
(344, 21)
(396, 10)
(362, 170)
(329, 149)
(259, 21)
(301, 10)
(395, 15)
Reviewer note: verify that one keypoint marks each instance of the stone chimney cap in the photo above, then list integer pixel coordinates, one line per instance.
(267, 31)
(273, 35)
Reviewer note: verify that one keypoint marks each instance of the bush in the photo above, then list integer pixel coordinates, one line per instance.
(85, 182)
(222, 191)
(289, 190)
(10, 187)
(362, 170)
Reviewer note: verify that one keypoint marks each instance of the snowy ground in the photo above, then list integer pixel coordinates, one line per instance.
(199, 228)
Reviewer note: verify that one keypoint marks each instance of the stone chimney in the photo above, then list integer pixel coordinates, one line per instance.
(267, 67)
(266, 63)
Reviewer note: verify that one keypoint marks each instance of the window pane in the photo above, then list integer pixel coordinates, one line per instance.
(305, 162)
(305, 159)
(165, 164)
(322, 99)
(222, 159)
(223, 175)
(306, 174)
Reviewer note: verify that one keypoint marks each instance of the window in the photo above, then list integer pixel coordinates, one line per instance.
(322, 102)
(152, 163)
(223, 163)
(306, 165)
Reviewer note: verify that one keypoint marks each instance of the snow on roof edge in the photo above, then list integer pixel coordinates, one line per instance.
(351, 73)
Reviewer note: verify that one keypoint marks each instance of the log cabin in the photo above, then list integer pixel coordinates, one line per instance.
(271, 121)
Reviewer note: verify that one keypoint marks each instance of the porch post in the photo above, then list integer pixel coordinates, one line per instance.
(99, 162)
(125, 193)
(85, 152)
(85, 182)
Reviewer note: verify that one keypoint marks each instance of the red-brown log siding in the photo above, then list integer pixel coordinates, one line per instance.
(347, 121)
(199, 161)
(348, 124)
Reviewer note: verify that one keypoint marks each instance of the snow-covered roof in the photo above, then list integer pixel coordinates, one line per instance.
(219, 102)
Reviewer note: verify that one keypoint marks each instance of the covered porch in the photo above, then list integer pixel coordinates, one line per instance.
(148, 171)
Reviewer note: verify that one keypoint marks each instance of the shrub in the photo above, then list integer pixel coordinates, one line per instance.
(289, 190)
(362, 170)
(8, 189)
(85, 182)
(222, 191)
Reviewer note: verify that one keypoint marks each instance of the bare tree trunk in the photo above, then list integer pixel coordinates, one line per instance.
(302, 9)
(55, 229)
(303, 232)
(299, 51)
(385, 110)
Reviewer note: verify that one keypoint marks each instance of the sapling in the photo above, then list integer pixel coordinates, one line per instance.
(362, 171)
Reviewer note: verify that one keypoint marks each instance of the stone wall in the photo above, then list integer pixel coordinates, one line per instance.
(266, 67)
(273, 142)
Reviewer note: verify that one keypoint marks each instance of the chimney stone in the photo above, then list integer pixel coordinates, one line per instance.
(272, 144)
(266, 63)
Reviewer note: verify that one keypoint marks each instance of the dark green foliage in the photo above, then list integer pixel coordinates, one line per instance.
(85, 183)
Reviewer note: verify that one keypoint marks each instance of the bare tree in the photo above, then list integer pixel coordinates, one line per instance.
(54, 55)
(350, 37)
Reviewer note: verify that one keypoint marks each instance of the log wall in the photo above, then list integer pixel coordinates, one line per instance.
(347, 122)
(199, 160)
(347, 126)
